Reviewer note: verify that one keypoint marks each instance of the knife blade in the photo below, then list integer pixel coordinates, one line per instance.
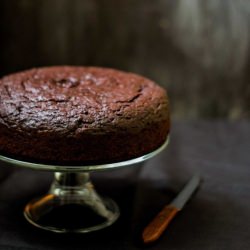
(158, 225)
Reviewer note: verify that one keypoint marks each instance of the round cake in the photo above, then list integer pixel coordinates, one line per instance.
(80, 115)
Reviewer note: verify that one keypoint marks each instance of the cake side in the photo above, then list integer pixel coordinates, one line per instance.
(75, 115)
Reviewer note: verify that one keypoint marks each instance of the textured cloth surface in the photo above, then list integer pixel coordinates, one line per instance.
(217, 217)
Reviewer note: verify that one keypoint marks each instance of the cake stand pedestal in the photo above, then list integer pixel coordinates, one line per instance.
(72, 204)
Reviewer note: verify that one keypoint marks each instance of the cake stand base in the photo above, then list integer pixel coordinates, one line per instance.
(71, 205)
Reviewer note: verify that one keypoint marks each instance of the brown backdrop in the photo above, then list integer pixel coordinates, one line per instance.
(147, 37)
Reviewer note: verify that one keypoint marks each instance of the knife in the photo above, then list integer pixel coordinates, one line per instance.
(158, 225)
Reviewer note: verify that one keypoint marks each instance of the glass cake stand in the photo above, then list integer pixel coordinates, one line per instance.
(72, 204)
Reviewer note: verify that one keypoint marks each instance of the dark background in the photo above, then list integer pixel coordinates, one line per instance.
(197, 49)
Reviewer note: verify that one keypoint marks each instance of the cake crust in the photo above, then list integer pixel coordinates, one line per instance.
(80, 115)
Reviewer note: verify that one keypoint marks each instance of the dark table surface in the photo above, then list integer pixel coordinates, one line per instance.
(217, 217)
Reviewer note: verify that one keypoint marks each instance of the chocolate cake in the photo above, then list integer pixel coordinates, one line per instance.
(80, 115)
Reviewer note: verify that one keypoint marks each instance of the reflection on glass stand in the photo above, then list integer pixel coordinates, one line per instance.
(72, 204)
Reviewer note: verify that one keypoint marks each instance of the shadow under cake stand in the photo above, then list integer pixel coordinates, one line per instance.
(72, 204)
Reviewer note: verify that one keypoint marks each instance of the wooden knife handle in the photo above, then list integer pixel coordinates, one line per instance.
(157, 226)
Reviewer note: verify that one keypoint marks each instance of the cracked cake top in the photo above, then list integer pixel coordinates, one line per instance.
(70, 100)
